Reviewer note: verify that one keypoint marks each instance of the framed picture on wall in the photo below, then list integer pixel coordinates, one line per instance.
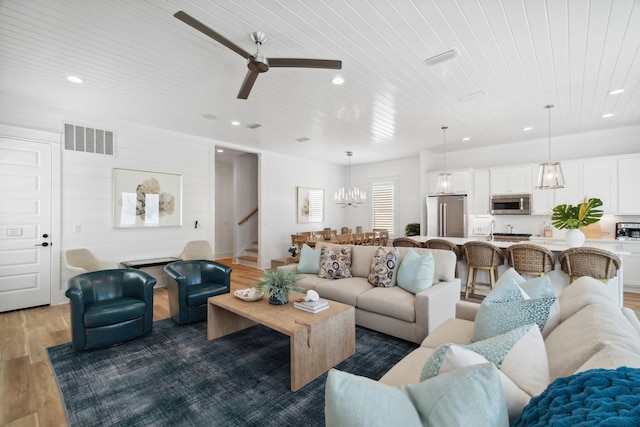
(310, 205)
(143, 199)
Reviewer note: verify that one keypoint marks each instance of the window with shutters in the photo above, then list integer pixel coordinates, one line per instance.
(383, 206)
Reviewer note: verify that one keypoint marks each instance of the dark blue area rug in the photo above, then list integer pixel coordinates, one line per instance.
(175, 377)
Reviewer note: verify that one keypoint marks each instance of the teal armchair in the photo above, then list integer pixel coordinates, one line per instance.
(195, 281)
(110, 307)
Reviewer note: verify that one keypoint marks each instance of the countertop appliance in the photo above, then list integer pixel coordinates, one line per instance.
(628, 230)
(511, 237)
(447, 215)
(511, 204)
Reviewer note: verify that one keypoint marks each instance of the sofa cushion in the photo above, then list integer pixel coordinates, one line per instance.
(630, 315)
(345, 291)
(383, 267)
(393, 302)
(506, 308)
(199, 294)
(309, 281)
(309, 260)
(109, 312)
(611, 356)
(335, 264)
(583, 292)
(582, 335)
(408, 370)
(519, 355)
(467, 396)
(416, 272)
(452, 331)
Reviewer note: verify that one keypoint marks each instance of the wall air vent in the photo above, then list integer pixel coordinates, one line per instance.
(254, 125)
(441, 57)
(302, 139)
(88, 140)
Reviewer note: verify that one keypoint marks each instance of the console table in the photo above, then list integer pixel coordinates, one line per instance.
(153, 262)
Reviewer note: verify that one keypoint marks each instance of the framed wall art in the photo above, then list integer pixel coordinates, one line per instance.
(310, 205)
(143, 199)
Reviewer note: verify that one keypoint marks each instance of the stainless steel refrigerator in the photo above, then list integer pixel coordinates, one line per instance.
(447, 215)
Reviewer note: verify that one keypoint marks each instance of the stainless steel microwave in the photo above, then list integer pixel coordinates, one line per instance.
(511, 204)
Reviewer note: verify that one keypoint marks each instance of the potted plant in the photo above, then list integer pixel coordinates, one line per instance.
(575, 217)
(412, 229)
(277, 284)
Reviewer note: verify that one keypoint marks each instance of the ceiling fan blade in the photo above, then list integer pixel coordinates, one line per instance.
(247, 84)
(305, 63)
(190, 20)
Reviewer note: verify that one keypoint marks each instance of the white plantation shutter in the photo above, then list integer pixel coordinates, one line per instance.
(383, 204)
(316, 205)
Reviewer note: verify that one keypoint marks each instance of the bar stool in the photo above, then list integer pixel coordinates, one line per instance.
(530, 259)
(597, 263)
(445, 245)
(481, 256)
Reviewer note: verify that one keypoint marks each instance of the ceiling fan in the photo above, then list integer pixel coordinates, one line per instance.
(257, 63)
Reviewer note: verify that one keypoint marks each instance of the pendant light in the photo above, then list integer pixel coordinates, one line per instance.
(550, 173)
(445, 183)
(350, 196)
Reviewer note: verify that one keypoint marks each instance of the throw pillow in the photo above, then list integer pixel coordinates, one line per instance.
(415, 273)
(309, 260)
(335, 265)
(520, 356)
(467, 396)
(505, 308)
(383, 267)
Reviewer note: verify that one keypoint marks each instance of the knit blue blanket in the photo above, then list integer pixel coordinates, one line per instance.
(598, 397)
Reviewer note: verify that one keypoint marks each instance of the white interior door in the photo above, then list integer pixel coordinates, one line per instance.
(25, 224)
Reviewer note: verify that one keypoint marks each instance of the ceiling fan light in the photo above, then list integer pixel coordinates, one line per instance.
(550, 176)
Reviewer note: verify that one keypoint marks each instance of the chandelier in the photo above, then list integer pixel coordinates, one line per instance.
(350, 196)
(550, 173)
(444, 184)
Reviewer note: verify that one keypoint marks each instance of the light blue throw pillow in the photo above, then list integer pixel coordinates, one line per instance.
(505, 308)
(540, 287)
(309, 260)
(415, 273)
(469, 396)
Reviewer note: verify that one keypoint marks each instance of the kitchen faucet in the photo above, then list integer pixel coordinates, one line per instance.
(492, 229)
(509, 228)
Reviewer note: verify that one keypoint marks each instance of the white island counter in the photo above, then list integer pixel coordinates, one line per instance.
(558, 278)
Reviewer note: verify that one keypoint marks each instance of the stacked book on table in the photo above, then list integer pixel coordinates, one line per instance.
(312, 306)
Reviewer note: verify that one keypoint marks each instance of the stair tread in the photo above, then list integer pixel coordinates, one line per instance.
(252, 250)
(248, 258)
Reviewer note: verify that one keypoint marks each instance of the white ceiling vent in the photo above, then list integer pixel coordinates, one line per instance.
(254, 125)
(441, 57)
(88, 140)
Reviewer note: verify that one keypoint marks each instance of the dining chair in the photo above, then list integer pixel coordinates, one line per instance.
(357, 238)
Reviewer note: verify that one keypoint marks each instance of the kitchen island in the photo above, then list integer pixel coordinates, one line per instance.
(558, 278)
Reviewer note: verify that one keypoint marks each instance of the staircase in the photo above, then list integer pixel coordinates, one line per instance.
(250, 255)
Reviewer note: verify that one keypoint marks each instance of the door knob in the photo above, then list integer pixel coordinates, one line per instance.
(43, 244)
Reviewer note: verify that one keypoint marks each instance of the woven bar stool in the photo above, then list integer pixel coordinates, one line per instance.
(445, 245)
(481, 256)
(597, 263)
(530, 259)
(406, 242)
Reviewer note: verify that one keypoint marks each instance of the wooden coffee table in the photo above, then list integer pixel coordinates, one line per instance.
(318, 341)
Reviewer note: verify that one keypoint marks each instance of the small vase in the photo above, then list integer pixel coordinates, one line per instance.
(575, 238)
(278, 296)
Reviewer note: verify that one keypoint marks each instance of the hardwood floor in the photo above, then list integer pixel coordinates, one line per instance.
(28, 391)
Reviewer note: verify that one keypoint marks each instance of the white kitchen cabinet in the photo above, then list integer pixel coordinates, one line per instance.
(628, 181)
(542, 201)
(511, 180)
(572, 194)
(599, 180)
(481, 196)
(631, 265)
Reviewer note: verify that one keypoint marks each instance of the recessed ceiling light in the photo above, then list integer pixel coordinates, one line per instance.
(74, 79)
(302, 139)
(235, 123)
(616, 91)
(220, 150)
(337, 80)
(466, 138)
(607, 115)
(528, 128)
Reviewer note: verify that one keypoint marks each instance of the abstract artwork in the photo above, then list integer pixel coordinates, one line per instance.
(143, 199)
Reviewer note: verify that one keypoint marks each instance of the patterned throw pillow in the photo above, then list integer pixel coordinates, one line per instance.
(383, 267)
(508, 307)
(335, 265)
(519, 355)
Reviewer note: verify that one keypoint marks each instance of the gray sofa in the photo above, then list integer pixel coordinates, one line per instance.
(593, 333)
(391, 310)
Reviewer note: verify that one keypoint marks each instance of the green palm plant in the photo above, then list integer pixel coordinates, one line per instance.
(578, 216)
